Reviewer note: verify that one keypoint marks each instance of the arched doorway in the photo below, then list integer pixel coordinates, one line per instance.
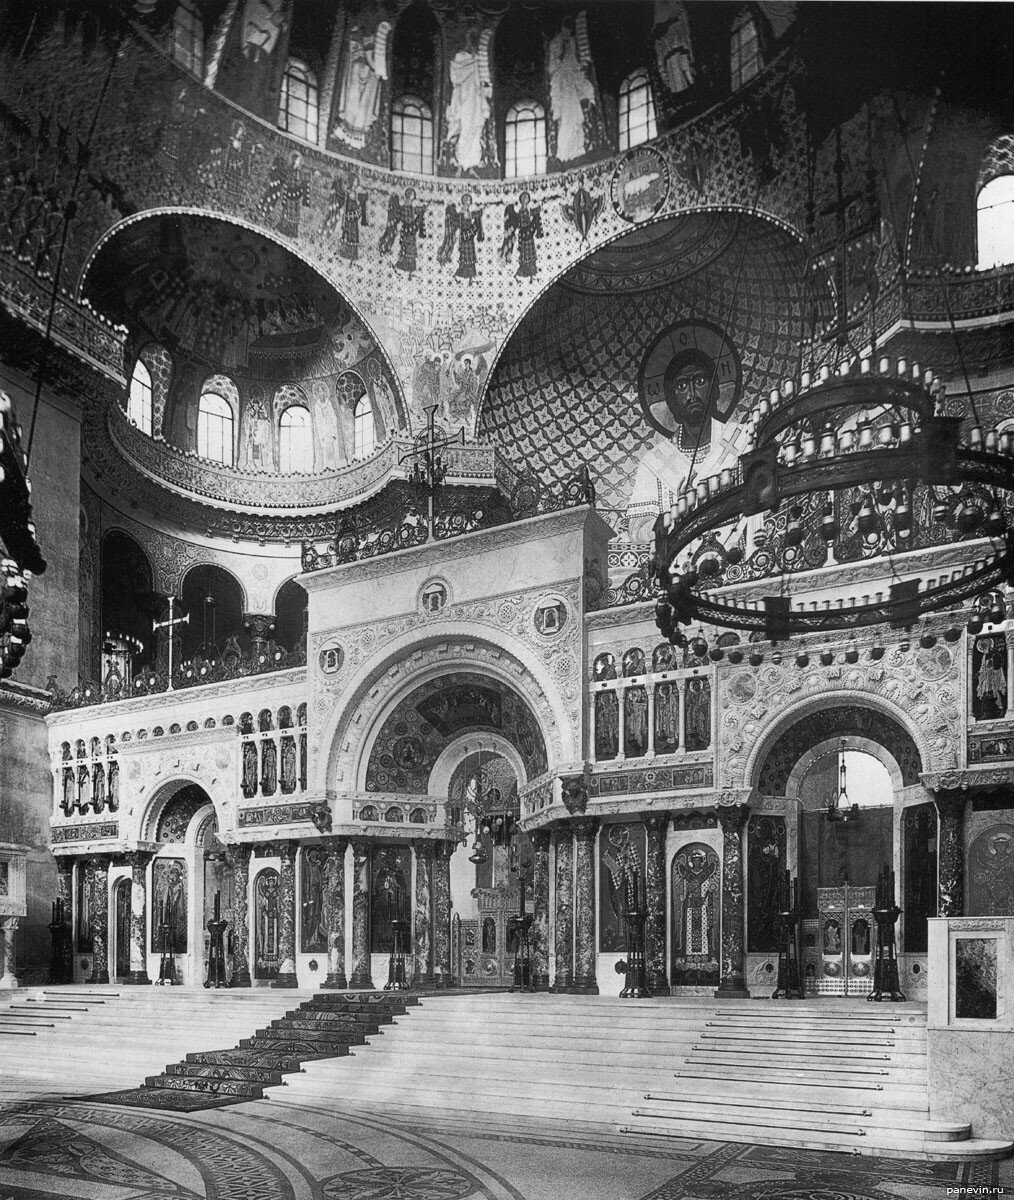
(843, 804)
(121, 929)
(188, 873)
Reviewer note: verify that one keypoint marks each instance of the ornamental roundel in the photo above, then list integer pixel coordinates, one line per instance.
(640, 184)
(690, 374)
(331, 658)
(400, 1183)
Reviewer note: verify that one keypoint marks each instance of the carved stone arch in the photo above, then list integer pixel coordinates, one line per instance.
(378, 686)
(775, 759)
(157, 799)
(854, 742)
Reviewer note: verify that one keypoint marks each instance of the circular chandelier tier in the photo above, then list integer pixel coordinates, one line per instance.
(877, 452)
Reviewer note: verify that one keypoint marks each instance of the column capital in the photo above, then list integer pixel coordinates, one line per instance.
(360, 846)
(950, 804)
(585, 828)
(541, 838)
(138, 859)
(287, 848)
(574, 791)
(733, 817)
(424, 849)
(657, 822)
(238, 853)
(336, 845)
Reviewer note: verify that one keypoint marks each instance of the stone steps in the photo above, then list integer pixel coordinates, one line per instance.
(827, 1077)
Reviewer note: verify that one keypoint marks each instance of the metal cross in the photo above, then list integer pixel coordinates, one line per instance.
(429, 470)
(170, 625)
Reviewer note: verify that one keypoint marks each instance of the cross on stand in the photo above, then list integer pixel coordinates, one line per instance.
(170, 624)
(430, 472)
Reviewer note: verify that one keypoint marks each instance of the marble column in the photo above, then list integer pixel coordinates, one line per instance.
(9, 979)
(951, 853)
(361, 974)
(655, 825)
(732, 986)
(585, 829)
(334, 912)
(98, 878)
(286, 917)
(61, 965)
(422, 926)
(442, 914)
(239, 860)
(564, 910)
(138, 861)
(540, 917)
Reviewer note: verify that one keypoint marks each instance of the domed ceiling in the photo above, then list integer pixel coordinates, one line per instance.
(589, 376)
(225, 297)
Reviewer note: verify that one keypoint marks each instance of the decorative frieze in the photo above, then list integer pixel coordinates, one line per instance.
(684, 777)
(97, 831)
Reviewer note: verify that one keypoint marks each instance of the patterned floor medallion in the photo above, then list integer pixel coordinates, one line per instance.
(400, 1183)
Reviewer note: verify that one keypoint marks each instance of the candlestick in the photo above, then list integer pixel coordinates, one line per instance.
(218, 905)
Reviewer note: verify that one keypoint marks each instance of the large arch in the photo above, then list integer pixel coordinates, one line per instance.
(858, 721)
(380, 683)
(157, 798)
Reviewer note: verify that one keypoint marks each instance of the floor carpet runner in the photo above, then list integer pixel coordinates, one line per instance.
(324, 1027)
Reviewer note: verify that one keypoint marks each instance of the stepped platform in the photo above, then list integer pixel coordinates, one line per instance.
(819, 1075)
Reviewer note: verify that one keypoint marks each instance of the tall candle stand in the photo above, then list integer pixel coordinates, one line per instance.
(886, 985)
(217, 974)
(790, 983)
(167, 965)
(635, 913)
(396, 981)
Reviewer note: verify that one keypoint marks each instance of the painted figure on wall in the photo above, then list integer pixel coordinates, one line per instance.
(313, 926)
(695, 906)
(227, 168)
(571, 92)
(410, 217)
(169, 911)
(521, 225)
(263, 22)
(326, 453)
(621, 852)
(991, 873)
(288, 757)
(360, 93)
(698, 713)
(667, 717)
(269, 767)
(392, 871)
(673, 48)
(346, 211)
(465, 226)
(258, 439)
(635, 722)
(604, 667)
(249, 769)
(470, 107)
(765, 840)
(266, 924)
(989, 677)
(289, 184)
(607, 725)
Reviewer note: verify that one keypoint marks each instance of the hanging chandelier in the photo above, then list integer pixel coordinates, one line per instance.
(839, 809)
(842, 468)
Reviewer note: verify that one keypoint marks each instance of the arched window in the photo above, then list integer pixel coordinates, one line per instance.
(295, 442)
(214, 429)
(139, 402)
(365, 440)
(411, 136)
(188, 38)
(525, 142)
(745, 51)
(297, 113)
(995, 207)
(636, 111)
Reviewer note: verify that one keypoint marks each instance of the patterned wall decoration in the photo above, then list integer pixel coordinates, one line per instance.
(651, 779)
(919, 872)
(990, 872)
(847, 720)
(175, 818)
(426, 721)
(765, 851)
(621, 851)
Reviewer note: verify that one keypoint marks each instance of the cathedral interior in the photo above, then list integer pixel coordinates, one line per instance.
(507, 604)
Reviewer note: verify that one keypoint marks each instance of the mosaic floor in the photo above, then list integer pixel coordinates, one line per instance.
(55, 1149)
